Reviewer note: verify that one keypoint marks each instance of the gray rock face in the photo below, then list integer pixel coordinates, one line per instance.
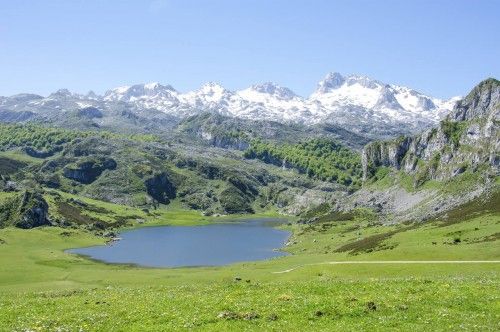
(388, 154)
(479, 102)
(223, 140)
(230, 143)
(467, 137)
(33, 211)
(90, 113)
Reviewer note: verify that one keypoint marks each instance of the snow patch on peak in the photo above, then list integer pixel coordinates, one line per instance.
(120, 89)
(209, 93)
(152, 85)
(212, 88)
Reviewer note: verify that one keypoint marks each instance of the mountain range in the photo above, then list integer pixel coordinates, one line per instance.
(356, 103)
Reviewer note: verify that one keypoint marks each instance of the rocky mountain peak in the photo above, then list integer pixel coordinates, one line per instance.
(212, 88)
(478, 102)
(364, 81)
(92, 95)
(274, 90)
(61, 93)
(331, 81)
(130, 93)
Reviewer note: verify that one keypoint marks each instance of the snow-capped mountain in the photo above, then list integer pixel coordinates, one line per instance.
(376, 106)
(336, 92)
(357, 103)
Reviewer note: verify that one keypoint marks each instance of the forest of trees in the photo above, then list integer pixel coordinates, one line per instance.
(35, 136)
(45, 138)
(322, 159)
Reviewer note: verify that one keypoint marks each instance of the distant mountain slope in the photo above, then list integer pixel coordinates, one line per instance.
(237, 133)
(356, 103)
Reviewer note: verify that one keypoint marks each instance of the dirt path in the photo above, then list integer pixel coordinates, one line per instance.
(388, 262)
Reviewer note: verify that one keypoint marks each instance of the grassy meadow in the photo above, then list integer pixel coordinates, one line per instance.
(42, 288)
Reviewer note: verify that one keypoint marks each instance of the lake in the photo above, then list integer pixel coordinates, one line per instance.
(206, 245)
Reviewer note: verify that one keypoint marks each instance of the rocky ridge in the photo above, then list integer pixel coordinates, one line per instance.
(467, 138)
(418, 177)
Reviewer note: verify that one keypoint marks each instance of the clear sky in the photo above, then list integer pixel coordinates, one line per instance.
(439, 47)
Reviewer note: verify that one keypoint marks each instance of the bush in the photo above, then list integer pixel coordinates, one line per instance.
(453, 130)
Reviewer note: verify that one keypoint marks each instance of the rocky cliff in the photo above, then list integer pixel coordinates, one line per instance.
(26, 210)
(468, 138)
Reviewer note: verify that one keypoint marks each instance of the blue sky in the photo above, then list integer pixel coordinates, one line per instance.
(442, 48)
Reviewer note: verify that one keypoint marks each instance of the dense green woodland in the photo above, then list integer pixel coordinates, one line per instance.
(46, 138)
(323, 159)
(38, 137)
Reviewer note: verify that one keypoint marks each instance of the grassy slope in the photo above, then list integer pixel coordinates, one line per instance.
(43, 288)
(20, 156)
(317, 305)
(173, 214)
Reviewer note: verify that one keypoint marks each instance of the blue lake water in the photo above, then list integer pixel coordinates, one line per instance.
(207, 245)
